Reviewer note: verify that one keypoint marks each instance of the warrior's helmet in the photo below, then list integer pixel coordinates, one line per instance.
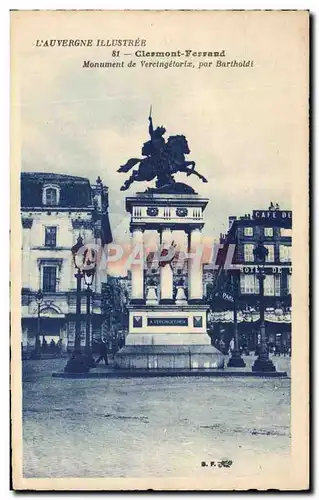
(159, 131)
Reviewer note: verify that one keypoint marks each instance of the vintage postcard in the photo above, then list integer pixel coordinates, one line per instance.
(159, 239)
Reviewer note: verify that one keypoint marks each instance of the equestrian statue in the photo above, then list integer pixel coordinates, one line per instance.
(162, 159)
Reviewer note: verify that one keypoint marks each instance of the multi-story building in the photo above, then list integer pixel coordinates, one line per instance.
(274, 228)
(55, 209)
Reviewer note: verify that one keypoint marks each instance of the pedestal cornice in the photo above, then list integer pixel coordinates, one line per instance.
(186, 226)
(161, 200)
(168, 307)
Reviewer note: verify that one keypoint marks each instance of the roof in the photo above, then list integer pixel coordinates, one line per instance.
(74, 191)
(54, 177)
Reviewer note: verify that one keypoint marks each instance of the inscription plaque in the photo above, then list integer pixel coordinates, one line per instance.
(167, 321)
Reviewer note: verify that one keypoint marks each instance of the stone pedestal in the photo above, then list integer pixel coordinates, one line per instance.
(167, 332)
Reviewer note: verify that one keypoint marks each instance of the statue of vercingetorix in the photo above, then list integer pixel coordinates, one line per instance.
(161, 160)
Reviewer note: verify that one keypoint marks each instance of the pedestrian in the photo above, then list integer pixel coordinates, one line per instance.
(222, 346)
(103, 353)
(59, 345)
(231, 345)
(52, 346)
(44, 345)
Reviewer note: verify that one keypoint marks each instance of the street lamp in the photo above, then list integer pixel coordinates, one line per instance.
(78, 263)
(39, 299)
(89, 269)
(80, 362)
(235, 361)
(263, 363)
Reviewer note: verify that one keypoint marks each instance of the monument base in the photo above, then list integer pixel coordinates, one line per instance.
(191, 357)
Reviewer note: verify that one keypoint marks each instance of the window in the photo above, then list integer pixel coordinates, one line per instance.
(249, 253)
(269, 285)
(248, 231)
(289, 284)
(249, 284)
(271, 255)
(49, 279)
(272, 285)
(50, 236)
(51, 195)
(285, 253)
(285, 232)
(268, 231)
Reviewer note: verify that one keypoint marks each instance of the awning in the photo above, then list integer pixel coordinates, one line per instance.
(252, 317)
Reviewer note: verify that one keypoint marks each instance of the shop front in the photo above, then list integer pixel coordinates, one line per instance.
(277, 322)
(50, 325)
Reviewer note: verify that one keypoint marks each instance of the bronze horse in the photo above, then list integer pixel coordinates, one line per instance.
(169, 160)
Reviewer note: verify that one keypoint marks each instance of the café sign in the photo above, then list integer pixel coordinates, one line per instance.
(266, 269)
(272, 214)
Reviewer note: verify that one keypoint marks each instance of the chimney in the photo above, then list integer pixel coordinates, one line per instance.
(231, 219)
(97, 194)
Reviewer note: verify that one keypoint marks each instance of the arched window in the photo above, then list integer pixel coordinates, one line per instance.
(51, 195)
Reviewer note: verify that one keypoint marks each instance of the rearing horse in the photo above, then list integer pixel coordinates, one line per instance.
(170, 161)
(176, 149)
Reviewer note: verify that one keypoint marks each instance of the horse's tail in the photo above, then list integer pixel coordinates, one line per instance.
(128, 165)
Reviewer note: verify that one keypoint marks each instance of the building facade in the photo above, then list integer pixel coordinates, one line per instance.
(272, 227)
(55, 209)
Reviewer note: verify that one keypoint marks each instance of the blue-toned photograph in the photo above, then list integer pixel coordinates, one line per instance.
(162, 193)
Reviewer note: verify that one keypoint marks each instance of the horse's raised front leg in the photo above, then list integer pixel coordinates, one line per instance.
(191, 164)
(198, 175)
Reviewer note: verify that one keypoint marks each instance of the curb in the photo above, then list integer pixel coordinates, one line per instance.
(169, 373)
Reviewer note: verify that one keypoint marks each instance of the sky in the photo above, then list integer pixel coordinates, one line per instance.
(242, 124)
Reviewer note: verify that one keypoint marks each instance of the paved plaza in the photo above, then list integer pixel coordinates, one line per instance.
(149, 427)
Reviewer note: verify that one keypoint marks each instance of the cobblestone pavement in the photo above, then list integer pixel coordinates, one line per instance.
(149, 427)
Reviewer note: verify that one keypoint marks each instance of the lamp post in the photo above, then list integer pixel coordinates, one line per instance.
(263, 363)
(39, 299)
(89, 272)
(80, 362)
(235, 361)
(78, 263)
